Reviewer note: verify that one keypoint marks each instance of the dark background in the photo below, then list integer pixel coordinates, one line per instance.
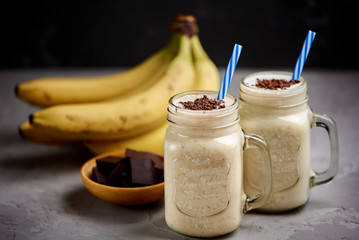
(87, 34)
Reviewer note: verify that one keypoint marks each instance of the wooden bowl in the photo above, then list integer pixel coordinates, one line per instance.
(120, 195)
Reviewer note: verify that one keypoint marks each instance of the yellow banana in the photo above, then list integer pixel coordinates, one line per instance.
(28, 132)
(207, 78)
(151, 141)
(38, 135)
(121, 118)
(45, 92)
(207, 75)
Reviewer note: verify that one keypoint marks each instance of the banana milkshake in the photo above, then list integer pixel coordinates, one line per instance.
(204, 194)
(276, 108)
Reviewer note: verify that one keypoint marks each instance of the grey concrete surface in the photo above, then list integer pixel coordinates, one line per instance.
(42, 195)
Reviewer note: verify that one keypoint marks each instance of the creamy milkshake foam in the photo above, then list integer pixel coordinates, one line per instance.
(283, 119)
(203, 169)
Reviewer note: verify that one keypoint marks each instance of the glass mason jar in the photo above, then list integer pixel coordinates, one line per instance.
(203, 151)
(284, 119)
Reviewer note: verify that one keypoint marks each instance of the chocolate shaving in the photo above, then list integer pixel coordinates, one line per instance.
(203, 103)
(274, 84)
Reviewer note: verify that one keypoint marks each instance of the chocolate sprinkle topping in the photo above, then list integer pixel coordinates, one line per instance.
(203, 103)
(274, 84)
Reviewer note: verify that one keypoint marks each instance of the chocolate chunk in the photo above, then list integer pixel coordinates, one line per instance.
(274, 84)
(136, 169)
(159, 168)
(97, 176)
(106, 164)
(119, 174)
(142, 171)
(157, 160)
(203, 103)
(158, 164)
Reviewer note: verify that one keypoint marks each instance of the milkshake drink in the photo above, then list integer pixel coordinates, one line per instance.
(204, 194)
(277, 109)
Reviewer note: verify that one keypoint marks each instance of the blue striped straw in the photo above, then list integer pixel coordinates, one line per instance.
(229, 72)
(303, 55)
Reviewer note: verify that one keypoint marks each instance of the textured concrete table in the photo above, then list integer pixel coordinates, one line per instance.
(42, 195)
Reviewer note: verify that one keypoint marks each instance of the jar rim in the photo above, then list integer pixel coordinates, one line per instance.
(202, 113)
(267, 93)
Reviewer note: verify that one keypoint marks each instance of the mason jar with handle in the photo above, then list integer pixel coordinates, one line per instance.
(284, 119)
(203, 157)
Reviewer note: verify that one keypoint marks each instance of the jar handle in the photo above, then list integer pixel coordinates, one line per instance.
(322, 120)
(257, 142)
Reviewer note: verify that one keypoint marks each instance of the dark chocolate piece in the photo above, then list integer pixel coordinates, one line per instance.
(135, 170)
(142, 171)
(159, 177)
(106, 164)
(115, 178)
(158, 164)
(97, 176)
(157, 160)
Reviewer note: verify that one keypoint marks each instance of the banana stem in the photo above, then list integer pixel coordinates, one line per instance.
(184, 24)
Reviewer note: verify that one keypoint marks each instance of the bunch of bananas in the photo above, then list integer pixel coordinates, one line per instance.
(124, 110)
